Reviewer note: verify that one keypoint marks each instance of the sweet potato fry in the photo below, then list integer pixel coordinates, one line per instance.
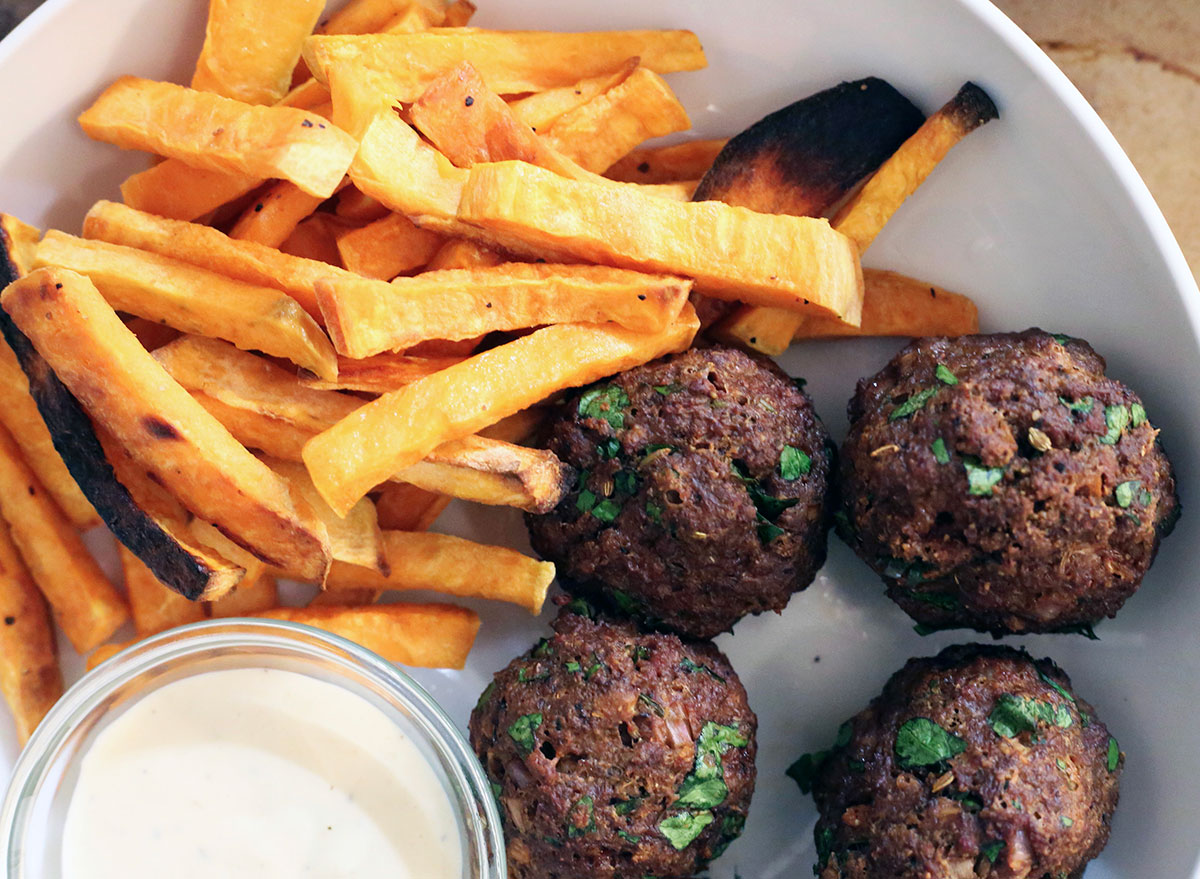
(404, 507)
(194, 300)
(489, 471)
(255, 592)
(369, 317)
(85, 604)
(275, 214)
(396, 167)
(395, 431)
(461, 253)
(415, 19)
(732, 253)
(307, 95)
(190, 453)
(372, 16)
(422, 635)
(357, 207)
(151, 333)
(519, 428)
(607, 127)
(221, 134)
(206, 248)
(105, 652)
(18, 244)
(454, 566)
(540, 109)
(179, 191)
(381, 373)
(252, 46)
(511, 62)
(387, 247)
(459, 13)
(357, 596)
(30, 679)
(669, 164)
(153, 606)
(354, 539)
(896, 305)
(315, 239)
(865, 214)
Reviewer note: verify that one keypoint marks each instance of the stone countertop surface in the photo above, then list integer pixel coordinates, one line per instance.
(1137, 61)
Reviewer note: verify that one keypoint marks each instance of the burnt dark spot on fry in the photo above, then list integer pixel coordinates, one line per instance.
(307, 123)
(9, 621)
(970, 108)
(159, 429)
(469, 101)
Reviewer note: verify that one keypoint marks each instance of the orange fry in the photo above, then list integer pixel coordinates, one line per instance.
(387, 247)
(153, 606)
(681, 161)
(275, 214)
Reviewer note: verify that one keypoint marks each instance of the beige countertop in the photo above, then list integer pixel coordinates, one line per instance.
(1137, 61)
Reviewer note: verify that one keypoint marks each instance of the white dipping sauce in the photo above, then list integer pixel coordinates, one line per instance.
(257, 773)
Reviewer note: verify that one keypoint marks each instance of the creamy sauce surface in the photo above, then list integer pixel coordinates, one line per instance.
(257, 773)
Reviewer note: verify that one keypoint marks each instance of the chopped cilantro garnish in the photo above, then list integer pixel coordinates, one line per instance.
(485, 695)
(793, 463)
(825, 840)
(704, 787)
(944, 375)
(768, 531)
(524, 676)
(654, 447)
(497, 789)
(605, 403)
(625, 482)
(692, 667)
(584, 808)
(648, 702)
(626, 807)
(1060, 763)
(702, 793)
(1125, 493)
(969, 800)
(768, 506)
(981, 480)
(804, 770)
(1086, 629)
(799, 383)
(921, 742)
(629, 837)
(731, 829)
(572, 666)
(609, 448)
(607, 510)
(553, 840)
(1116, 419)
(542, 648)
(654, 511)
(667, 390)
(991, 850)
(1114, 754)
(1137, 415)
(582, 607)
(1083, 407)
(521, 731)
(914, 403)
(586, 501)
(940, 454)
(626, 602)
(1065, 821)
(1056, 686)
(682, 828)
(941, 600)
(1012, 716)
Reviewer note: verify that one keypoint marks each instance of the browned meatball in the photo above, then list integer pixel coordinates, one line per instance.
(1002, 482)
(978, 762)
(616, 754)
(702, 493)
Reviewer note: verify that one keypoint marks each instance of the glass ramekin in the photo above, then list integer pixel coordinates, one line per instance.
(42, 784)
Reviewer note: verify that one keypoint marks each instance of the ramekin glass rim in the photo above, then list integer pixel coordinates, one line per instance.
(89, 692)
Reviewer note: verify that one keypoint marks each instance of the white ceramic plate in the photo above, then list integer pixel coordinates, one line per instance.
(1039, 216)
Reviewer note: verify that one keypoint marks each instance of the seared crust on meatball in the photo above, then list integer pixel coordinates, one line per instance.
(702, 493)
(1002, 482)
(616, 754)
(978, 762)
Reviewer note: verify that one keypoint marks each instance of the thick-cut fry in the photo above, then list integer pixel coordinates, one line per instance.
(174, 189)
(252, 46)
(681, 161)
(308, 95)
(489, 471)
(396, 167)
(454, 566)
(607, 127)
(372, 16)
(387, 248)
(151, 333)
(422, 635)
(153, 606)
(220, 134)
(518, 428)
(315, 239)
(732, 253)
(255, 592)
(459, 13)
(209, 249)
(896, 305)
(190, 453)
(18, 241)
(357, 207)
(275, 214)
(399, 429)
(540, 109)
(461, 253)
(354, 539)
(404, 507)
(865, 214)
(511, 62)
(415, 19)
(194, 300)
(85, 604)
(357, 596)
(381, 373)
(105, 652)
(30, 679)
(369, 317)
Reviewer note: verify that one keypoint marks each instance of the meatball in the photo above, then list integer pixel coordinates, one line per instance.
(702, 492)
(1002, 482)
(980, 761)
(616, 754)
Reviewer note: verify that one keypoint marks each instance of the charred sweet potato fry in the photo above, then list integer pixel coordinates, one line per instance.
(120, 384)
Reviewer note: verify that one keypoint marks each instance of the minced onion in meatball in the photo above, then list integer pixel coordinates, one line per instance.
(979, 762)
(1002, 482)
(702, 493)
(616, 754)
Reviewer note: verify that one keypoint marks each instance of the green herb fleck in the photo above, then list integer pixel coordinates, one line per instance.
(625, 482)
(969, 800)
(629, 837)
(610, 448)
(793, 463)
(981, 480)
(485, 696)
(940, 600)
(521, 731)
(575, 827)
(731, 828)
(913, 404)
(1116, 419)
(944, 375)
(940, 454)
(586, 501)
(607, 510)
(1125, 493)
(1066, 822)
(1114, 754)
(497, 789)
(1056, 686)
(1083, 406)
(524, 676)
(824, 839)
(799, 383)
(572, 666)
(992, 850)
(626, 807)
(921, 742)
(1060, 763)
(605, 403)
(582, 607)
(804, 770)
(1012, 716)
(1085, 629)
(704, 787)
(626, 602)
(1137, 415)
(646, 700)
(768, 507)
(553, 840)
(702, 793)
(667, 390)
(768, 531)
(692, 667)
(654, 511)
(683, 828)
